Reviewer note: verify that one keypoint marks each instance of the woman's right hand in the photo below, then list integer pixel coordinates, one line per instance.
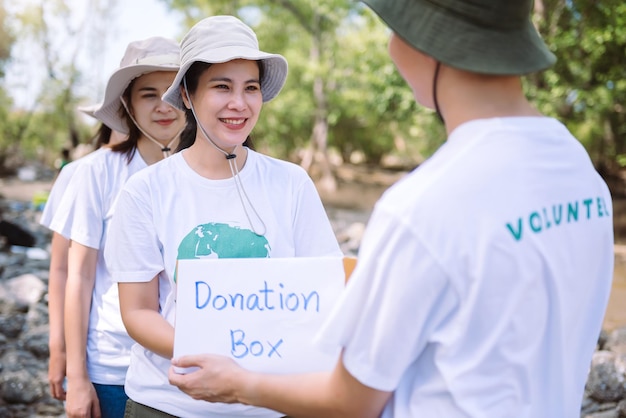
(56, 373)
(82, 400)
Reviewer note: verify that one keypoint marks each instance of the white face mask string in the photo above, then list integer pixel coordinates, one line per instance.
(167, 150)
(231, 157)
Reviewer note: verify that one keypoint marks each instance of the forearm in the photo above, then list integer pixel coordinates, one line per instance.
(151, 330)
(294, 395)
(79, 288)
(77, 326)
(56, 292)
(56, 306)
(139, 305)
(329, 395)
(326, 394)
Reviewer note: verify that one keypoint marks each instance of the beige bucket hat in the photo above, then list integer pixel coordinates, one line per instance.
(141, 57)
(219, 39)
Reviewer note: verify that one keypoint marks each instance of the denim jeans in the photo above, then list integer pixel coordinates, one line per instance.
(112, 400)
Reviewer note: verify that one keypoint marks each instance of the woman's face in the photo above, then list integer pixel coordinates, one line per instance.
(417, 69)
(228, 101)
(159, 119)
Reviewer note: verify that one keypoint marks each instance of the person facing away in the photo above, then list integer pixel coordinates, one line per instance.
(484, 274)
(216, 198)
(63, 160)
(59, 246)
(97, 344)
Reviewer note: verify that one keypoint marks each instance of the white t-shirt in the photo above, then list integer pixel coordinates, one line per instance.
(169, 212)
(483, 278)
(58, 189)
(85, 211)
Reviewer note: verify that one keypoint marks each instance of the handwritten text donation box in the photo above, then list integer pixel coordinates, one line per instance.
(263, 312)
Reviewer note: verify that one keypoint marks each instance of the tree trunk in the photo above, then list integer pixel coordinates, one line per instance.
(317, 153)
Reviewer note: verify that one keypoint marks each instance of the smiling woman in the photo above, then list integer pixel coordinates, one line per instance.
(215, 198)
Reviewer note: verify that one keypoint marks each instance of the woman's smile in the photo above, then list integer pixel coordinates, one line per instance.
(232, 123)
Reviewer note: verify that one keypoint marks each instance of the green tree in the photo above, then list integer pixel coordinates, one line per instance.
(343, 92)
(53, 35)
(7, 38)
(587, 86)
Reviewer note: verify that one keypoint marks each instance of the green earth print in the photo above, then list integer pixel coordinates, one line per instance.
(219, 240)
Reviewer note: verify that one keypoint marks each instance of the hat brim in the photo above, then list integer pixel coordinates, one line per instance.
(274, 71)
(468, 46)
(89, 110)
(108, 113)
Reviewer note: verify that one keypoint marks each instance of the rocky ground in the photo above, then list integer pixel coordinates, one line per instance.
(24, 320)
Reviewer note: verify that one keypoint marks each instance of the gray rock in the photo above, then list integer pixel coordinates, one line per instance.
(11, 325)
(605, 382)
(621, 409)
(36, 342)
(616, 341)
(26, 289)
(20, 387)
(603, 414)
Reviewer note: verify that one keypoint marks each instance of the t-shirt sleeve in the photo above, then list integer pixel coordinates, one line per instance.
(56, 194)
(314, 235)
(133, 251)
(79, 215)
(393, 304)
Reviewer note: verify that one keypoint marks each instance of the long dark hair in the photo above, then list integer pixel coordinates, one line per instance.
(128, 146)
(102, 136)
(192, 76)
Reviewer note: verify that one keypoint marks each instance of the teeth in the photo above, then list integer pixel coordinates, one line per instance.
(233, 121)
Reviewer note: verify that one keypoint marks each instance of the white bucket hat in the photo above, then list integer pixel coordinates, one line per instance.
(219, 39)
(141, 57)
(90, 109)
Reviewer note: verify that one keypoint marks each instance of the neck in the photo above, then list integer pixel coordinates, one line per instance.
(211, 163)
(465, 96)
(152, 152)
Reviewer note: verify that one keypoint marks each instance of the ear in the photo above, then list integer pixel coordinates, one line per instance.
(183, 94)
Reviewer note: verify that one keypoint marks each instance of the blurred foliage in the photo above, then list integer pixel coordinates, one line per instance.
(586, 88)
(7, 37)
(368, 109)
(53, 37)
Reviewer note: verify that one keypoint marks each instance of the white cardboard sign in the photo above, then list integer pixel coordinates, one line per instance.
(262, 312)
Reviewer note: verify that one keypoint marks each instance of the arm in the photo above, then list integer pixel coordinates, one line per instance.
(332, 394)
(81, 396)
(139, 304)
(56, 303)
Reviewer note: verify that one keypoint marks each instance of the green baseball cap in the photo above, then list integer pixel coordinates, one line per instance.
(482, 36)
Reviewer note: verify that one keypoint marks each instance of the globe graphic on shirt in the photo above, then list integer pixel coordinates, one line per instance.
(219, 240)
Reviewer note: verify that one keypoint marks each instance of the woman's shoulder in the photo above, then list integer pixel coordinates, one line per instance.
(278, 165)
(155, 173)
(103, 157)
(92, 164)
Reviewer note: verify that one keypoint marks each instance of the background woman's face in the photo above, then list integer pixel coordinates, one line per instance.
(159, 119)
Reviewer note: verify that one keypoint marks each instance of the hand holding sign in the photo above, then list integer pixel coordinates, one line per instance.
(206, 382)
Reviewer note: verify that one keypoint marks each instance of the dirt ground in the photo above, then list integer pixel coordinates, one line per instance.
(359, 189)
